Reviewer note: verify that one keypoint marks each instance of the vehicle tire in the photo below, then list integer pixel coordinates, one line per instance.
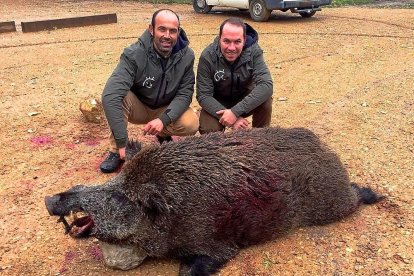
(258, 11)
(200, 6)
(307, 14)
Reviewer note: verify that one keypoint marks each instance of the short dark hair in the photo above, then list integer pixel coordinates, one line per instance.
(154, 15)
(233, 21)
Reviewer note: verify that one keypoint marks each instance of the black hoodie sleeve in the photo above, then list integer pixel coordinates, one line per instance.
(113, 94)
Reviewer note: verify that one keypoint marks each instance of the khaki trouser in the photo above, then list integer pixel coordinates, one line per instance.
(262, 116)
(136, 112)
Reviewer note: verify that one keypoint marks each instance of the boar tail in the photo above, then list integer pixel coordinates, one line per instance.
(366, 195)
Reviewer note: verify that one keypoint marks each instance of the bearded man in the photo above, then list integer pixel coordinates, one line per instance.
(233, 80)
(152, 85)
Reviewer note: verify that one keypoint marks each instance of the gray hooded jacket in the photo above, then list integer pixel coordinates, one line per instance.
(242, 86)
(141, 71)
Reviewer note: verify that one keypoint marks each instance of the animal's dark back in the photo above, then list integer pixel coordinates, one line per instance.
(236, 182)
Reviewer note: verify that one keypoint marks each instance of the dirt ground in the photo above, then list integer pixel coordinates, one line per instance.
(346, 74)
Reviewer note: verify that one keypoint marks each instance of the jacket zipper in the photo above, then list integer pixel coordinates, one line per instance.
(231, 86)
(159, 89)
(233, 68)
(165, 90)
(162, 81)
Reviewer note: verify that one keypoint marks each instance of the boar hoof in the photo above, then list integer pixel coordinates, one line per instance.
(199, 265)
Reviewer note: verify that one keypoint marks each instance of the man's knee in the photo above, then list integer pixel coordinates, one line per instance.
(134, 110)
(209, 123)
(190, 123)
(262, 115)
(186, 125)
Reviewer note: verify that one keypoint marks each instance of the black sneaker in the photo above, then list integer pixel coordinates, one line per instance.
(111, 163)
(163, 139)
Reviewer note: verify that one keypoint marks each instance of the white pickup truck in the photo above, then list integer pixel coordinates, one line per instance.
(260, 10)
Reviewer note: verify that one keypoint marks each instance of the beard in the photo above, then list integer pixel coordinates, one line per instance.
(231, 55)
(164, 46)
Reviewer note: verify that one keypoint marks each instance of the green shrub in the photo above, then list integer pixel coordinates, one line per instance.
(337, 3)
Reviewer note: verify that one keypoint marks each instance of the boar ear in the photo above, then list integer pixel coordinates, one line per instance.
(131, 149)
(153, 201)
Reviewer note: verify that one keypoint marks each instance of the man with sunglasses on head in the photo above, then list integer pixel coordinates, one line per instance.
(152, 85)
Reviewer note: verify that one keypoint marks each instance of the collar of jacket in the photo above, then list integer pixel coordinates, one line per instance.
(182, 43)
(252, 36)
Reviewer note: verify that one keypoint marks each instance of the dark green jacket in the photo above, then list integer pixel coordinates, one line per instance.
(140, 70)
(240, 87)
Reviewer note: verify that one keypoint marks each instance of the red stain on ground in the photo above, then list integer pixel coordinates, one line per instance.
(29, 185)
(41, 140)
(92, 143)
(96, 252)
(70, 146)
(69, 257)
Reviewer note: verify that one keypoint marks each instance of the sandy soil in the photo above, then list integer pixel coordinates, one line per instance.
(346, 73)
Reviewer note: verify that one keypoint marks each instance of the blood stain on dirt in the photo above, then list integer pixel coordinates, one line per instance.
(69, 257)
(96, 252)
(92, 143)
(30, 185)
(41, 140)
(70, 146)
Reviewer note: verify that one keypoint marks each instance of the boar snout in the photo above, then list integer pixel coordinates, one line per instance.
(51, 203)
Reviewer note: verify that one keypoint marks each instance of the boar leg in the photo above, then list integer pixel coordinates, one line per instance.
(199, 265)
(131, 149)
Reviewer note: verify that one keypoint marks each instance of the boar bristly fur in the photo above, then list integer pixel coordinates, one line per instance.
(203, 198)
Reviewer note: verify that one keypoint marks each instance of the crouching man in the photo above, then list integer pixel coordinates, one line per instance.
(233, 81)
(153, 85)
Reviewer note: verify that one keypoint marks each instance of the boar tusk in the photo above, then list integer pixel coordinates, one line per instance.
(66, 224)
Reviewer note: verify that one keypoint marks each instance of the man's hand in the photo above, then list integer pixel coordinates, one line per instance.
(122, 153)
(153, 127)
(227, 117)
(241, 123)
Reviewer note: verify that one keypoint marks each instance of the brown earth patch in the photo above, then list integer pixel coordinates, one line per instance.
(346, 73)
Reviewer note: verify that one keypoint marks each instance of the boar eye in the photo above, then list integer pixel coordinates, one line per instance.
(119, 197)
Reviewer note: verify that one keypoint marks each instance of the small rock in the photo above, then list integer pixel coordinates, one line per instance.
(92, 110)
(32, 80)
(314, 101)
(122, 257)
(34, 113)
